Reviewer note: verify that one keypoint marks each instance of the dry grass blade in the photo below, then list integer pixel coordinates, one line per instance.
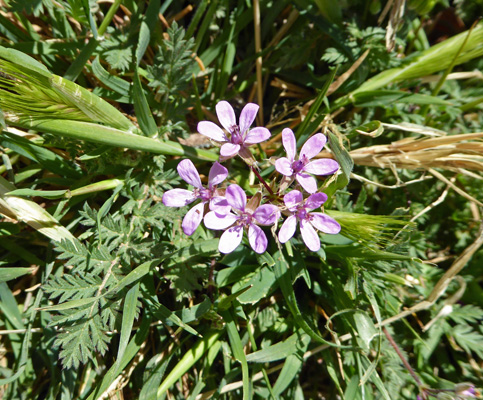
(447, 152)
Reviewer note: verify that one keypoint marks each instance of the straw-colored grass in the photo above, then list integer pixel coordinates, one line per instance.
(453, 153)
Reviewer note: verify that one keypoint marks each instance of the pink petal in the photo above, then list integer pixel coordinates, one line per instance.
(226, 115)
(218, 174)
(220, 205)
(189, 173)
(216, 221)
(288, 229)
(229, 150)
(257, 135)
(266, 214)
(247, 117)
(313, 146)
(315, 201)
(323, 166)
(257, 239)
(324, 223)
(178, 198)
(293, 199)
(284, 166)
(309, 235)
(213, 131)
(230, 239)
(307, 182)
(236, 197)
(289, 143)
(192, 219)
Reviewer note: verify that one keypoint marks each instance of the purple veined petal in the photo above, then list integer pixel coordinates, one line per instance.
(309, 235)
(266, 214)
(189, 173)
(217, 222)
(315, 200)
(324, 223)
(229, 150)
(218, 174)
(226, 115)
(213, 131)
(236, 197)
(284, 166)
(289, 143)
(247, 117)
(288, 229)
(230, 239)
(322, 166)
(313, 146)
(220, 205)
(293, 199)
(257, 239)
(178, 197)
(257, 135)
(307, 182)
(192, 219)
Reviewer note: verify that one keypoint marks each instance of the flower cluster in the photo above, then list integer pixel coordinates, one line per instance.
(230, 210)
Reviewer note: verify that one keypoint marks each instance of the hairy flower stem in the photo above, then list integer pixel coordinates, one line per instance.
(262, 180)
(401, 356)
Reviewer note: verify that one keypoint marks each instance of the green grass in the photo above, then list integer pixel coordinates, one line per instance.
(101, 292)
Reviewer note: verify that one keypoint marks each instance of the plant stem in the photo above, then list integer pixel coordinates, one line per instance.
(262, 180)
(401, 356)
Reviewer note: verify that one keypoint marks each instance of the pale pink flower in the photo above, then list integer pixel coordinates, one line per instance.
(308, 221)
(301, 168)
(183, 197)
(244, 217)
(240, 135)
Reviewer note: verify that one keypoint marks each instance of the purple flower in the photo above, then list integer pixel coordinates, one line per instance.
(298, 169)
(240, 135)
(182, 197)
(244, 217)
(465, 390)
(299, 209)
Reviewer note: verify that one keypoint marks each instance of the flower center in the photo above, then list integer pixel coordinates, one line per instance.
(244, 218)
(203, 194)
(302, 213)
(298, 165)
(236, 136)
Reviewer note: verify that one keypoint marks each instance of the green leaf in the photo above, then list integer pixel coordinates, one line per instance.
(238, 352)
(277, 351)
(292, 366)
(143, 113)
(262, 283)
(47, 194)
(188, 360)
(111, 81)
(285, 282)
(128, 315)
(132, 350)
(7, 274)
(381, 98)
(365, 329)
(372, 129)
(113, 137)
(341, 155)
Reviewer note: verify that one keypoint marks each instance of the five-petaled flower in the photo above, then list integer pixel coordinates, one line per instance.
(240, 136)
(246, 216)
(299, 210)
(183, 197)
(298, 168)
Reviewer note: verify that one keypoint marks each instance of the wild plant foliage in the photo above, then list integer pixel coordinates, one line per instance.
(240, 200)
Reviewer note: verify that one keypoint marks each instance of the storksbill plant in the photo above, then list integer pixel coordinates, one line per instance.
(232, 211)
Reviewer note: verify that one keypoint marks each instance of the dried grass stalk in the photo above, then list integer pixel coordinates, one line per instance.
(447, 152)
